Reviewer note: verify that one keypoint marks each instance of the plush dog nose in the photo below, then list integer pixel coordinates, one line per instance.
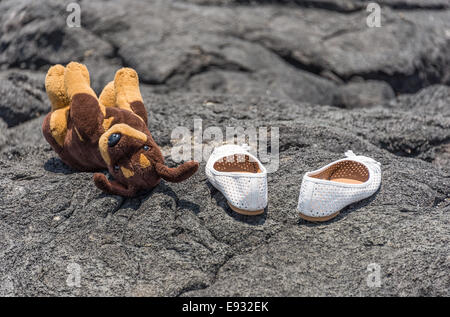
(113, 139)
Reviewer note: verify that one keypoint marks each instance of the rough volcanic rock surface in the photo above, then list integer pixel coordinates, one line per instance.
(22, 96)
(275, 64)
(363, 94)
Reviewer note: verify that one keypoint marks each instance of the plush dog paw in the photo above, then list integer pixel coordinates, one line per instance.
(108, 96)
(54, 86)
(113, 187)
(77, 80)
(74, 67)
(102, 182)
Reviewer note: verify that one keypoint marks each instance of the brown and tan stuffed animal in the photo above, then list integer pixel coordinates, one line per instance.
(110, 132)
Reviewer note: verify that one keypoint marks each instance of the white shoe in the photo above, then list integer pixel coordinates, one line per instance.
(326, 191)
(240, 177)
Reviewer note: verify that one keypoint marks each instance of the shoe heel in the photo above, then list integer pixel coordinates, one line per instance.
(245, 212)
(319, 219)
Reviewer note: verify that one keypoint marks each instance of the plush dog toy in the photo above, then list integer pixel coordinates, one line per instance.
(109, 132)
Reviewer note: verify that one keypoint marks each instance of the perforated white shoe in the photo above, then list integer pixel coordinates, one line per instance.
(326, 191)
(240, 177)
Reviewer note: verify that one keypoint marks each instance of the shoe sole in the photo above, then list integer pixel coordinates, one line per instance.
(245, 212)
(319, 219)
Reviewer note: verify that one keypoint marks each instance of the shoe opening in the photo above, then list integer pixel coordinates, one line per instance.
(237, 163)
(350, 172)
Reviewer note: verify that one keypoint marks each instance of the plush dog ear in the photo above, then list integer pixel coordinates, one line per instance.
(177, 174)
(113, 187)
